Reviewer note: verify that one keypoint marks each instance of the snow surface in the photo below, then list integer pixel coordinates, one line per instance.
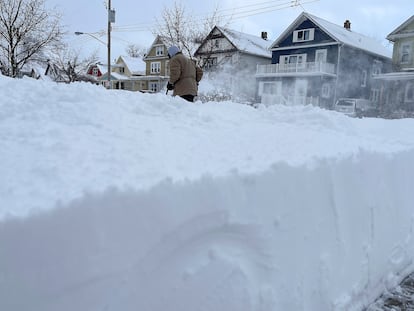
(113, 200)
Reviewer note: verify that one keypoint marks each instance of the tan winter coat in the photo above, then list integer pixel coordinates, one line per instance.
(185, 75)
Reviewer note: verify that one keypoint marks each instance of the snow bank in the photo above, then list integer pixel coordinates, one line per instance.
(121, 201)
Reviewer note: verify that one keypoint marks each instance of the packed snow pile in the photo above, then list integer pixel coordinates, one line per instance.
(113, 200)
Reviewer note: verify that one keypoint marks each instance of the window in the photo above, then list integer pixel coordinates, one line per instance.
(121, 69)
(364, 78)
(155, 67)
(405, 53)
(304, 35)
(153, 86)
(216, 43)
(375, 94)
(298, 59)
(409, 92)
(95, 71)
(326, 90)
(159, 50)
(273, 88)
(210, 62)
(376, 67)
(320, 56)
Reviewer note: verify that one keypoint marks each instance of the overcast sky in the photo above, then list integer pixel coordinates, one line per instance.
(135, 19)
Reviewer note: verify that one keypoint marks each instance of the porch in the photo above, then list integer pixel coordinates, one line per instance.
(304, 69)
(274, 99)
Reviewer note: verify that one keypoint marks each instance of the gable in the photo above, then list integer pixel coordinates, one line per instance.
(405, 30)
(215, 42)
(336, 34)
(227, 40)
(158, 49)
(291, 38)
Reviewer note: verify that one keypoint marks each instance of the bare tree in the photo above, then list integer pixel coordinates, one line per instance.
(135, 50)
(66, 65)
(178, 27)
(26, 29)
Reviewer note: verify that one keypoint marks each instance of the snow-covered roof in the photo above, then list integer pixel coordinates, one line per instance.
(400, 31)
(341, 34)
(247, 43)
(136, 65)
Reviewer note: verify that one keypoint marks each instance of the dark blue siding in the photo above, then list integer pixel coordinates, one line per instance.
(320, 36)
(332, 53)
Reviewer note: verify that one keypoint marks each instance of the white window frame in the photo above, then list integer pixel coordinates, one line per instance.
(377, 67)
(326, 90)
(300, 60)
(364, 77)
(159, 50)
(409, 92)
(121, 69)
(324, 53)
(270, 87)
(155, 67)
(217, 43)
(375, 95)
(210, 62)
(95, 71)
(405, 53)
(153, 86)
(304, 35)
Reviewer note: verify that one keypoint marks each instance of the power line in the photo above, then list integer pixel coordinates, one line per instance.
(234, 13)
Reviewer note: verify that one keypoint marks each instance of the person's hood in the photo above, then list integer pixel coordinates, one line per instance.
(172, 50)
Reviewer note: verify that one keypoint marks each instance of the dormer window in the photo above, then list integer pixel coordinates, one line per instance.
(304, 35)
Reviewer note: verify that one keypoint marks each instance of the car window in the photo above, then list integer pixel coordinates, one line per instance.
(344, 102)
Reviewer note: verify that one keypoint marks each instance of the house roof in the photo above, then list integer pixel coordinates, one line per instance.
(135, 65)
(158, 38)
(339, 34)
(247, 43)
(401, 31)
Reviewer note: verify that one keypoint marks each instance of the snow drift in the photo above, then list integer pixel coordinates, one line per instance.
(121, 201)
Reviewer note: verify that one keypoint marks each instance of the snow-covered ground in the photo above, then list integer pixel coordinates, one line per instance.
(111, 200)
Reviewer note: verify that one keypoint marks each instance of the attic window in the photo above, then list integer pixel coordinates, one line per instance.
(304, 35)
(159, 50)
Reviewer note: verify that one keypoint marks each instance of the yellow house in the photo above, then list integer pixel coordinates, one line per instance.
(157, 65)
(128, 73)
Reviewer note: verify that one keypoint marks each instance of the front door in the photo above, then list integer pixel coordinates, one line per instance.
(301, 89)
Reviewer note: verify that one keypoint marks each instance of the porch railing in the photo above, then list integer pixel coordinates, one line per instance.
(284, 69)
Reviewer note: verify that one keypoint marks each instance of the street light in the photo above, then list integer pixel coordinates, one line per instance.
(111, 19)
(78, 33)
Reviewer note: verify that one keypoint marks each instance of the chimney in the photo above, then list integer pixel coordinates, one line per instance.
(264, 35)
(347, 25)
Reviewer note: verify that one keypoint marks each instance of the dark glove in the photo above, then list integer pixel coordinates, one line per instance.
(170, 86)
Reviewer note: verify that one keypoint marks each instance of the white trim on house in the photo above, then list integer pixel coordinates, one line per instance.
(305, 46)
(155, 67)
(303, 35)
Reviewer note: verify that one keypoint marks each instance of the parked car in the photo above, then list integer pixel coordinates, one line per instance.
(356, 107)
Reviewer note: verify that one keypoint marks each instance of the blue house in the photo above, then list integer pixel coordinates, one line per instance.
(317, 62)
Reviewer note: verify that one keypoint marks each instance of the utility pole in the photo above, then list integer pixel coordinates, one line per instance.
(111, 19)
